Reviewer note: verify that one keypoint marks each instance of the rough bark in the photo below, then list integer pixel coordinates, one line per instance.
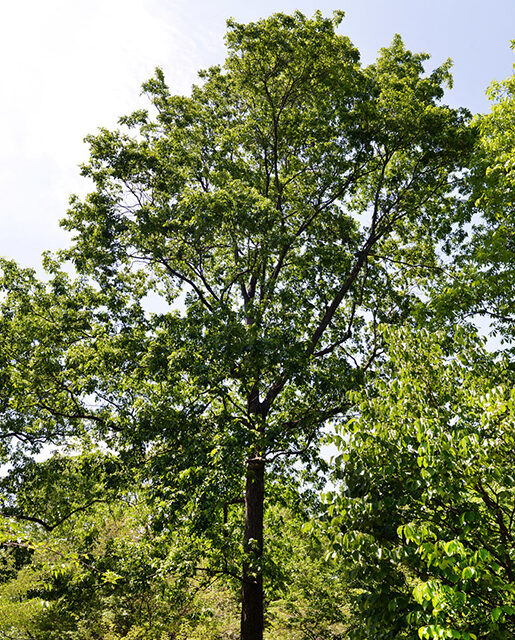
(252, 619)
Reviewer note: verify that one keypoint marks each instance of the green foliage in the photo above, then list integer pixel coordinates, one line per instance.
(280, 214)
(481, 278)
(425, 513)
(106, 575)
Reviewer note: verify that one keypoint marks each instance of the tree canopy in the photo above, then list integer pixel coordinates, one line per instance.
(237, 262)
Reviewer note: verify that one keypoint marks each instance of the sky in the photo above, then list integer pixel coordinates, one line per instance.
(71, 66)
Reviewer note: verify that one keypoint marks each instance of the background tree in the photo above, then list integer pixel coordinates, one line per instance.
(481, 278)
(103, 572)
(426, 511)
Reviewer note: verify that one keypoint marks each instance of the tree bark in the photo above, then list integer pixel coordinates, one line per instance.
(252, 618)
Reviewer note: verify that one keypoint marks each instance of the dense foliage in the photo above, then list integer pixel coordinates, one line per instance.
(425, 515)
(294, 250)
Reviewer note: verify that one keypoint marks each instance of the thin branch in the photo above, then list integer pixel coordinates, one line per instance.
(504, 533)
(224, 572)
(411, 265)
(46, 525)
(181, 276)
(69, 416)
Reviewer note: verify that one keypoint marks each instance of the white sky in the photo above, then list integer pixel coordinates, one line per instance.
(70, 66)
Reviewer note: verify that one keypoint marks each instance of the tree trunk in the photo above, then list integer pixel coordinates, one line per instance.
(252, 620)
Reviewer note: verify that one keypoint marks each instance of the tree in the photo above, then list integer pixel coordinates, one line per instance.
(483, 260)
(283, 210)
(105, 573)
(98, 574)
(425, 512)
